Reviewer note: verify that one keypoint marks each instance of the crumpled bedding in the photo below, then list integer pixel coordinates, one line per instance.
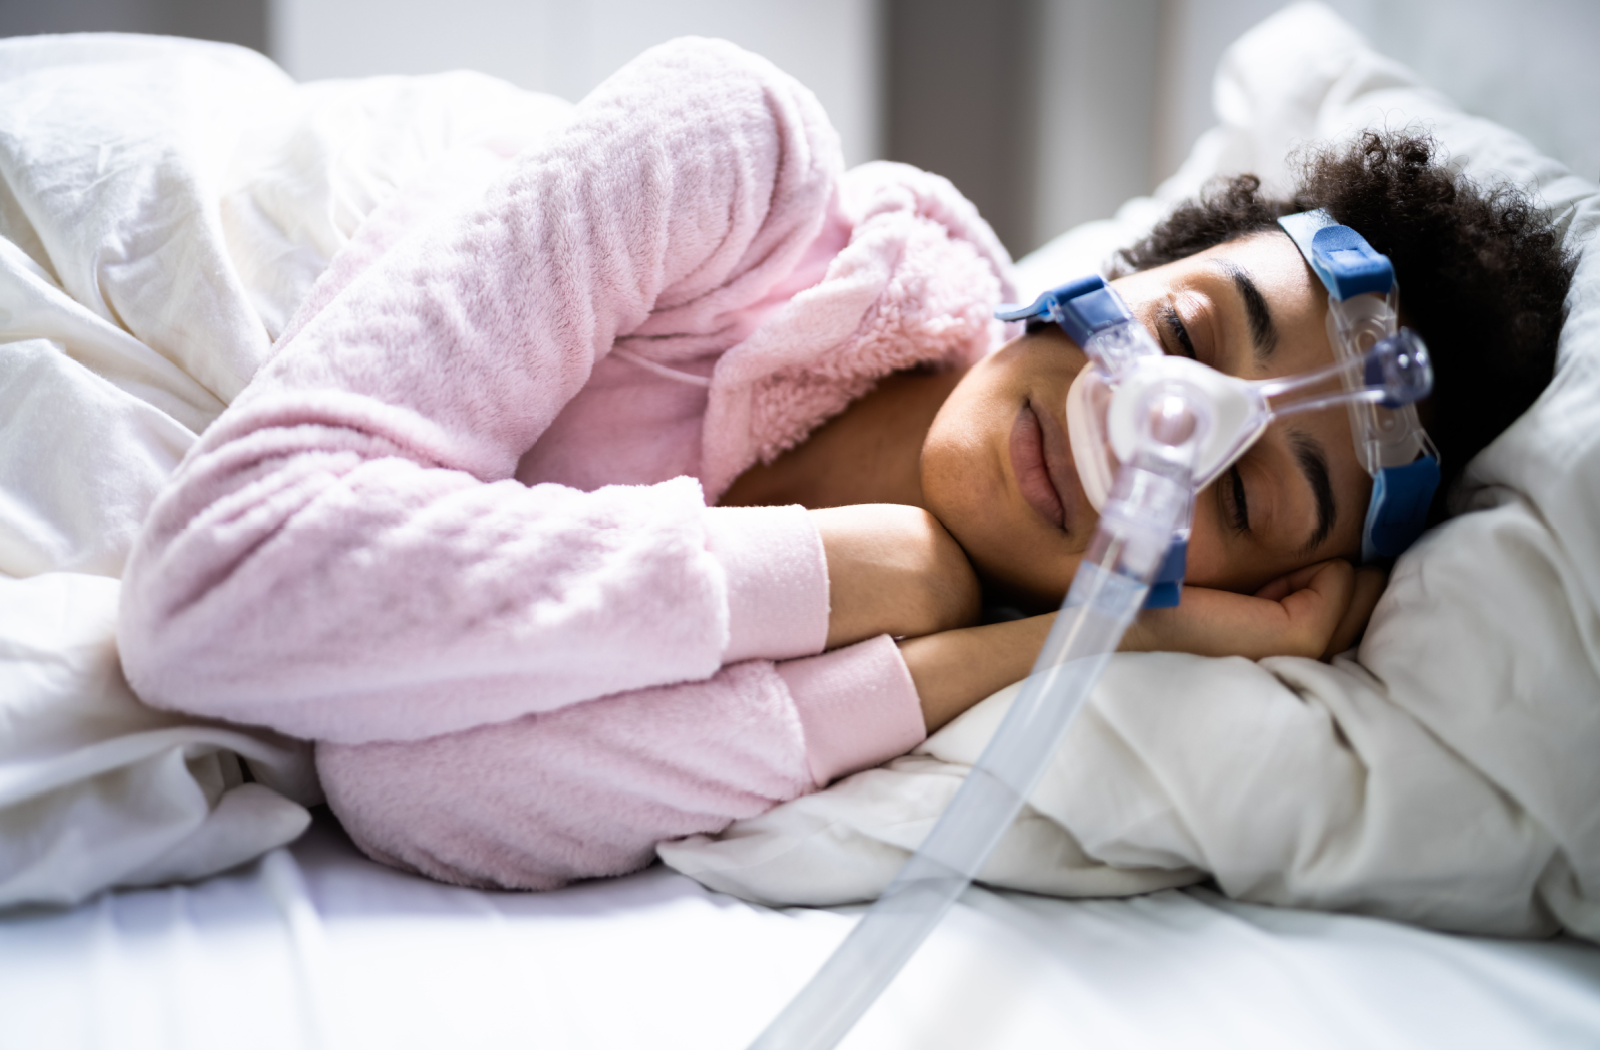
(165, 205)
(1443, 773)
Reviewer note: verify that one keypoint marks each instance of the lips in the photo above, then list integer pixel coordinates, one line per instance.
(1032, 470)
(1041, 459)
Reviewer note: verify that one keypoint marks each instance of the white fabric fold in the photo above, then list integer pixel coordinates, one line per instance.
(165, 205)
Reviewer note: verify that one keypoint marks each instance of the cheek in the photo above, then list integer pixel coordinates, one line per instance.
(1222, 559)
(962, 474)
(967, 478)
(1216, 561)
(965, 474)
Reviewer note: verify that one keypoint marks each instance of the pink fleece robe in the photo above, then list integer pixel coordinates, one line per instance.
(457, 530)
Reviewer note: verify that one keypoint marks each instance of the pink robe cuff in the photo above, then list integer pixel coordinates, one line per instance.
(858, 707)
(777, 577)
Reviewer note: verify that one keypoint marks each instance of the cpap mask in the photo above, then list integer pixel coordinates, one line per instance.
(1149, 430)
(1380, 369)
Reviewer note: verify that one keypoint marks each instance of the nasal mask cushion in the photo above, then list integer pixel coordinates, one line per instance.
(1104, 418)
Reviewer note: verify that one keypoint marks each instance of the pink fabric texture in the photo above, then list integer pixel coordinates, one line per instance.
(584, 791)
(457, 530)
(767, 555)
(856, 705)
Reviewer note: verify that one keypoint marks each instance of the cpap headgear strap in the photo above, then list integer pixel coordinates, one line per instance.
(1363, 308)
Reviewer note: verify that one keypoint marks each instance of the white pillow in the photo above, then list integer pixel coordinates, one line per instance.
(1446, 774)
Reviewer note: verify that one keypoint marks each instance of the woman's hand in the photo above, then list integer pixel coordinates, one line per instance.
(894, 570)
(1318, 611)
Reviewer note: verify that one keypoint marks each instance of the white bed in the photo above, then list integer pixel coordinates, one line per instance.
(280, 941)
(315, 946)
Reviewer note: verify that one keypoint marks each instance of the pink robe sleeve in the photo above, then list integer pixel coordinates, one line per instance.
(346, 554)
(589, 790)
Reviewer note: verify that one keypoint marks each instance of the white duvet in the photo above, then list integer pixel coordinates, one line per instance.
(1447, 772)
(164, 205)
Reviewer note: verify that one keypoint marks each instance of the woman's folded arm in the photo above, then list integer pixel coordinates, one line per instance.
(345, 554)
(589, 790)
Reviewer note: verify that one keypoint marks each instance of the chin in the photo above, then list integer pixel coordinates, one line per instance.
(1021, 561)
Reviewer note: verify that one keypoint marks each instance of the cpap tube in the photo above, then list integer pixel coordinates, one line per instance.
(1150, 502)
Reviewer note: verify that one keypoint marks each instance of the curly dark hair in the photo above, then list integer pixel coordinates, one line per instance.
(1482, 273)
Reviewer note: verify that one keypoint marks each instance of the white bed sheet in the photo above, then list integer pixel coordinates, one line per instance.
(314, 946)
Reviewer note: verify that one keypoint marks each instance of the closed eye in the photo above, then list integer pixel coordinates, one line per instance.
(1238, 506)
(1174, 324)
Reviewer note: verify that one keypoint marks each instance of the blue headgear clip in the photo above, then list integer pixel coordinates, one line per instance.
(1082, 308)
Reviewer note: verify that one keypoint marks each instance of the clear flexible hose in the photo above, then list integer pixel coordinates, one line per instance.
(1149, 506)
(1101, 604)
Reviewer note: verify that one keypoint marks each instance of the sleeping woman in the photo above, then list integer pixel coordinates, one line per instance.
(664, 480)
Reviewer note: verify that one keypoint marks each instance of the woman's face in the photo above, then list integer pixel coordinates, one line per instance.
(997, 468)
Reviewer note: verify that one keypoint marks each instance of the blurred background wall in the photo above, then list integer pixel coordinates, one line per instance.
(243, 22)
(1045, 112)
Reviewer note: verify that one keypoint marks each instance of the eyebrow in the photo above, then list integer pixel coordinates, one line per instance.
(1262, 331)
(1313, 461)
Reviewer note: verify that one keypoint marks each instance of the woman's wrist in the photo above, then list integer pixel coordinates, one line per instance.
(953, 670)
(892, 569)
